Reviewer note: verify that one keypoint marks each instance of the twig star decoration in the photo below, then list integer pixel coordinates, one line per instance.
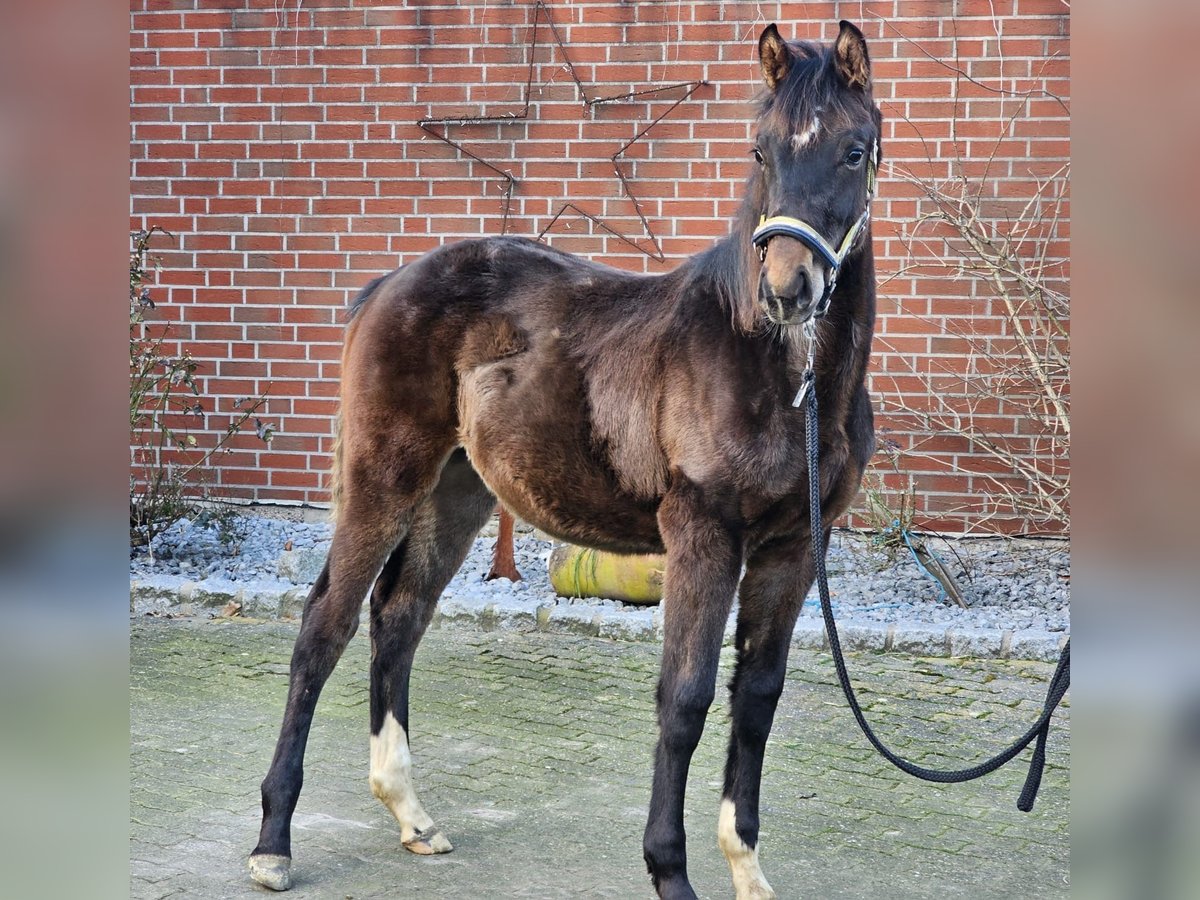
(438, 127)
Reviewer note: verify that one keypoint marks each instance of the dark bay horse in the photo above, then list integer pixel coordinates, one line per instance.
(625, 412)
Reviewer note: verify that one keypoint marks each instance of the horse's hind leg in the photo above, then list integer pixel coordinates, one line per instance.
(401, 606)
(373, 520)
(777, 578)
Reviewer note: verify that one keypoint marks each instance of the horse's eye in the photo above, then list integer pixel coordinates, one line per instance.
(855, 156)
(758, 157)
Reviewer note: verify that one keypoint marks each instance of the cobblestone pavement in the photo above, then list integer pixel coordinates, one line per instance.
(533, 752)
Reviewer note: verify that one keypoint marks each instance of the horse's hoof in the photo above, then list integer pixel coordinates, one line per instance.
(272, 870)
(428, 842)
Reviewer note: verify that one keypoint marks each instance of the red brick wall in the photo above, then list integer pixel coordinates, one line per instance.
(278, 142)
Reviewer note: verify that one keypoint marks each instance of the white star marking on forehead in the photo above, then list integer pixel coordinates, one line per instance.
(802, 139)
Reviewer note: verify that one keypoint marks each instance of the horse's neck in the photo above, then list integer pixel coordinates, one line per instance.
(841, 346)
(844, 338)
(731, 268)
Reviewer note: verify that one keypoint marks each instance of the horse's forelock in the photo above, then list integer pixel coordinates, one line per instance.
(811, 89)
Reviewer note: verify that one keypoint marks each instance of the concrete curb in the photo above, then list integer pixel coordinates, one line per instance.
(603, 619)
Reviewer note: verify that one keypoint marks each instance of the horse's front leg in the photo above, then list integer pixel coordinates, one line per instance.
(703, 563)
(778, 576)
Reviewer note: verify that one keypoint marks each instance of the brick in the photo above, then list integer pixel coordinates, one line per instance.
(293, 172)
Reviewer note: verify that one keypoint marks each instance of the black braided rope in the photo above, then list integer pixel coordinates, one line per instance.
(1059, 683)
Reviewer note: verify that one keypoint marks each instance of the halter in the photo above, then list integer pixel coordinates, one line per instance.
(801, 230)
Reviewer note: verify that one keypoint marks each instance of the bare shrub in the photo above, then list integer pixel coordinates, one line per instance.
(166, 412)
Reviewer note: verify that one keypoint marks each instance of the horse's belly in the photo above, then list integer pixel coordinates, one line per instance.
(541, 482)
(613, 524)
(529, 439)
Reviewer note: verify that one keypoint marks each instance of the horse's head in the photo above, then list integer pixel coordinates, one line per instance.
(817, 151)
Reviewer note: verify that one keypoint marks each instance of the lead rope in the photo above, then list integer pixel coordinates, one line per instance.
(1058, 683)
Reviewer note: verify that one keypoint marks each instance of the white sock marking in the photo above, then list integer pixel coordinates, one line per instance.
(748, 879)
(391, 778)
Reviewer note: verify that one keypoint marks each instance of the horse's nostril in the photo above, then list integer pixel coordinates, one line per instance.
(803, 288)
(795, 288)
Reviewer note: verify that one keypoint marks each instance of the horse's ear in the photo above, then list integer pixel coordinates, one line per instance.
(850, 52)
(774, 56)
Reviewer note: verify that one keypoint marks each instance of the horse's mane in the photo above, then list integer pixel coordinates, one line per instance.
(726, 267)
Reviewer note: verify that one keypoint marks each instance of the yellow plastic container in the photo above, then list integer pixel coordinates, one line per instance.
(582, 572)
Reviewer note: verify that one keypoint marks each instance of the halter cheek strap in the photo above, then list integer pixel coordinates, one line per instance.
(802, 231)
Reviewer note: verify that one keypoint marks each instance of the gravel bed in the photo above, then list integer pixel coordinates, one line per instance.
(1011, 585)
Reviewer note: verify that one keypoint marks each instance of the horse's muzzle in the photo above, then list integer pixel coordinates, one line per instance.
(790, 283)
(792, 307)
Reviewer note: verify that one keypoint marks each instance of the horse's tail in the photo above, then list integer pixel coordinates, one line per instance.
(335, 475)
